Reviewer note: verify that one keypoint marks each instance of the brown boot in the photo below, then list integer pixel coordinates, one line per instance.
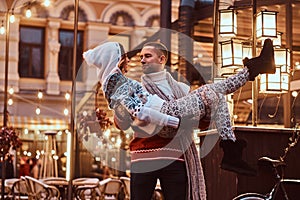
(232, 159)
(264, 63)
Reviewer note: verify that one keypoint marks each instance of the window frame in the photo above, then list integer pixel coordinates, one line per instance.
(24, 45)
(69, 51)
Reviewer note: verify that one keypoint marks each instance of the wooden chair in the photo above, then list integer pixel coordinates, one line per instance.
(85, 188)
(110, 190)
(38, 190)
(126, 184)
(60, 183)
(19, 190)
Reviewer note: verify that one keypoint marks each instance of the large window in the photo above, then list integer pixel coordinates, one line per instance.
(31, 52)
(66, 39)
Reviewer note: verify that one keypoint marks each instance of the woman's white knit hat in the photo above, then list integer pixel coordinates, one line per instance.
(105, 57)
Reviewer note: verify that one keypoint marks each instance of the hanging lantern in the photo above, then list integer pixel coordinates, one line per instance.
(247, 50)
(266, 24)
(277, 40)
(232, 53)
(282, 58)
(278, 82)
(228, 22)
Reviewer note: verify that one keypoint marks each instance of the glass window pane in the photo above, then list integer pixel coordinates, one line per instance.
(31, 35)
(66, 39)
(37, 68)
(31, 52)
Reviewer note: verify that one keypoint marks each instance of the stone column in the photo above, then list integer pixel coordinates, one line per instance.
(52, 51)
(13, 56)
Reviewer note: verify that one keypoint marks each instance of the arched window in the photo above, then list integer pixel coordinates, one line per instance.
(153, 21)
(68, 14)
(121, 18)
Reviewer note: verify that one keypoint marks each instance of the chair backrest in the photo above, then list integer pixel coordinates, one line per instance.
(19, 187)
(112, 187)
(126, 182)
(55, 181)
(33, 187)
(39, 190)
(85, 181)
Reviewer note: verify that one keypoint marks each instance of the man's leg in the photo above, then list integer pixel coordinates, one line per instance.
(173, 181)
(142, 185)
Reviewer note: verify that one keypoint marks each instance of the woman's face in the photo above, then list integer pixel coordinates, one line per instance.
(123, 64)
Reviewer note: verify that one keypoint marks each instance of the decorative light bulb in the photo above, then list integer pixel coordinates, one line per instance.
(10, 102)
(11, 91)
(38, 111)
(40, 95)
(47, 3)
(67, 96)
(28, 13)
(2, 29)
(66, 111)
(294, 94)
(12, 18)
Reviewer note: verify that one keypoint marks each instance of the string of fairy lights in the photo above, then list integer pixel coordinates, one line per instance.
(28, 12)
(40, 97)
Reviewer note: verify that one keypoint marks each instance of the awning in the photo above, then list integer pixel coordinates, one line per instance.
(36, 122)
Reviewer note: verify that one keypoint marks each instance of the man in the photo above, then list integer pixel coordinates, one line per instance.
(171, 156)
(161, 156)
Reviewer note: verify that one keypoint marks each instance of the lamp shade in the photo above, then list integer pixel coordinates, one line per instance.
(247, 50)
(278, 82)
(277, 40)
(232, 53)
(274, 83)
(282, 58)
(228, 22)
(266, 24)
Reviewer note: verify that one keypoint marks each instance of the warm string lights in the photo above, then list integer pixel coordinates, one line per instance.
(67, 97)
(10, 101)
(28, 13)
(40, 97)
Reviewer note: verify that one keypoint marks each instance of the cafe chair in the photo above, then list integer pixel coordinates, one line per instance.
(126, 184)
(18, 190)
(85, 188)
(40, 191)
(60, 183)
(110, 190)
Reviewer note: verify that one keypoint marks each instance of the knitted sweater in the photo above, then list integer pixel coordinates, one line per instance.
(143, 147)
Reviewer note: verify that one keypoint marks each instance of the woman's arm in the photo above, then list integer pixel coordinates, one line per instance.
(139, 104)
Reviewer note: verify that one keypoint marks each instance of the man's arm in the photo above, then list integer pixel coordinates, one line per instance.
(128, 96)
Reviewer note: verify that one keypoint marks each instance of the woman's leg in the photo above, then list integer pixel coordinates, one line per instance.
(206, 100)
(232, 83)
(222, 119)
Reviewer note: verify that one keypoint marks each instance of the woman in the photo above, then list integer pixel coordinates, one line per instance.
(121, 92)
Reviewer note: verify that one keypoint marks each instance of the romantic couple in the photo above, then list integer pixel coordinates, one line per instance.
(156, 109)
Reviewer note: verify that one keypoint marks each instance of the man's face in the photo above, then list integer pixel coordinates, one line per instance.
(152, 60)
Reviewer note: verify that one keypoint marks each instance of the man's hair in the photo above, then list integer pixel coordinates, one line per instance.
(159, 46)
